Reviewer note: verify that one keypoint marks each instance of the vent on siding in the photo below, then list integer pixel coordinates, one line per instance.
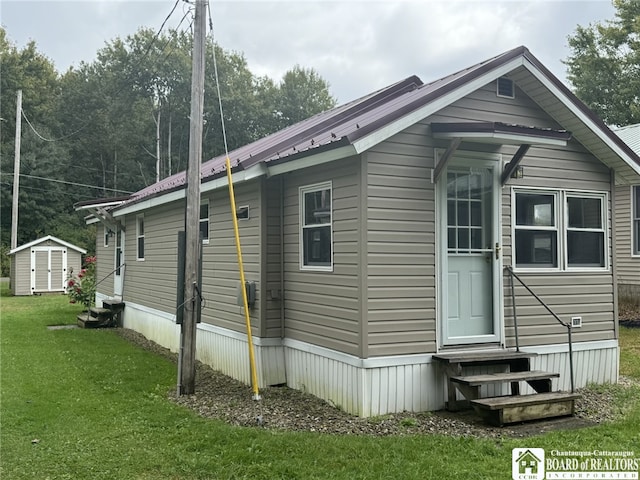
(505, 87)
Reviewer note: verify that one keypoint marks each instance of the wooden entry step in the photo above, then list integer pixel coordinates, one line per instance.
(469, 385)
(506, 377)
(520, 408)
(452, 365)
(483, 358)
(96, 318)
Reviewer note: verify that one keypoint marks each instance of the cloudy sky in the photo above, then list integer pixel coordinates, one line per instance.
(357, 45)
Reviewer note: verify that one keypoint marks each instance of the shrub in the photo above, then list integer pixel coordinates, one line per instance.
(81, 288)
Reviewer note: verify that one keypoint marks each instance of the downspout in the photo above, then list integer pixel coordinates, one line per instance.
(282, 258)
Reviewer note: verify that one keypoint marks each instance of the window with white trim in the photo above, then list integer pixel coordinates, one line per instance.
(635, 219)
(316, 231)
(204, 221)
(585, 236)
(536, 230)
(140, 237)
(559, 230)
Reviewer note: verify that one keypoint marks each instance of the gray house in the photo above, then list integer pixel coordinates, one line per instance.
(381, 235)
(627, 200)
(43, 265)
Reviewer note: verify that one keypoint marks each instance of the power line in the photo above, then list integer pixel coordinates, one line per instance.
(27, 187)
(50, 139)
(69, 183)
(160, 30)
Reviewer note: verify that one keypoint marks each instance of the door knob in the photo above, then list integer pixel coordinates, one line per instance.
(498, 248)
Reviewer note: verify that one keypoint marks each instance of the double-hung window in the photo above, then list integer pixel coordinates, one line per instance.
(204, 221)
(536, 230)
(316, 231)
(585, 231)
(140, 237)
(635, 219)
(560, 230)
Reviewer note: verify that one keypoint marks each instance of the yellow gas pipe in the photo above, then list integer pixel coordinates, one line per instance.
(252, 358)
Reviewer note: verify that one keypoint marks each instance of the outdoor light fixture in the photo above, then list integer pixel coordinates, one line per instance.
(518, 172)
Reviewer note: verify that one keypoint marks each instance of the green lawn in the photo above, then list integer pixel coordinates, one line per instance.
(85, 404)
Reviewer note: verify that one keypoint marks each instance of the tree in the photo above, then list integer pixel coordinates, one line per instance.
(302, 94)
(604, 65)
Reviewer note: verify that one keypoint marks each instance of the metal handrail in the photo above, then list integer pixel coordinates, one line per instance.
(567, 325)
(111, 273)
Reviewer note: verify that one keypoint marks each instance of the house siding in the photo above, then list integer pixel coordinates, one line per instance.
(272, 258)
(323, 307)
(152, 282)
(104, 262)
(628, 266)
(220, 276)
(400, 243)
(590, 294)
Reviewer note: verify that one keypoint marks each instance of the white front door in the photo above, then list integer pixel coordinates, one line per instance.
(469, 242)
(118, 275)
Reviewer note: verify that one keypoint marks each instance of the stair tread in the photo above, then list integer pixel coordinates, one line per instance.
(473, 357)
(496, 403)
(474, 380)
(99, 310)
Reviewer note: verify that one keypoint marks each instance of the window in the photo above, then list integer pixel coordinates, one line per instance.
(585, 231)
(536, 230)
(635, 216)
(316, 227)
(140, 237)
(549, 237)
(204, 221)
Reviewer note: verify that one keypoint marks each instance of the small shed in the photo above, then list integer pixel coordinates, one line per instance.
(42, 266)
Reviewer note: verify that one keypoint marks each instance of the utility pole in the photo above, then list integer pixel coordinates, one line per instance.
(16, 173)
(187, 359)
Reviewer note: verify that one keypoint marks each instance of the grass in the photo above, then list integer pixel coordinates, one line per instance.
(85, 404)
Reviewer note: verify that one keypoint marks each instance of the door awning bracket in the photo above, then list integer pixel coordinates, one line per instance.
(106, 218)
(510, 167)
(446, 156)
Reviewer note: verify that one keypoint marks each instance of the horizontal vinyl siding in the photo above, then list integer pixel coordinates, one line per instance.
(323, 308)
(105, 262)
(152, 281)
(272, 258)
(400, 213)
(628, 266)
(221, 276)
(589, 295)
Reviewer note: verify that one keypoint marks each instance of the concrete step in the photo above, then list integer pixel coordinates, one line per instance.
(521, 408)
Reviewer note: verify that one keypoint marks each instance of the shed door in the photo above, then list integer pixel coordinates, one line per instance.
(469, 253)
(48, 269)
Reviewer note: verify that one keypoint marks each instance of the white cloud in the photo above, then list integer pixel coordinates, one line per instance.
(358, 46)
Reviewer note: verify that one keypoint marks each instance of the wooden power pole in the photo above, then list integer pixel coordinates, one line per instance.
(16, 173)
(187, 365)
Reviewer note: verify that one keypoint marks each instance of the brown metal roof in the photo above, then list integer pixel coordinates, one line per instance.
(352, 121)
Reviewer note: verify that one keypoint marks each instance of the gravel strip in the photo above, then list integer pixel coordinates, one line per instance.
(281, 408)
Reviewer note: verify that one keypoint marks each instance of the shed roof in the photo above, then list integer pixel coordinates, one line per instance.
(44, 239)
(356, 126)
